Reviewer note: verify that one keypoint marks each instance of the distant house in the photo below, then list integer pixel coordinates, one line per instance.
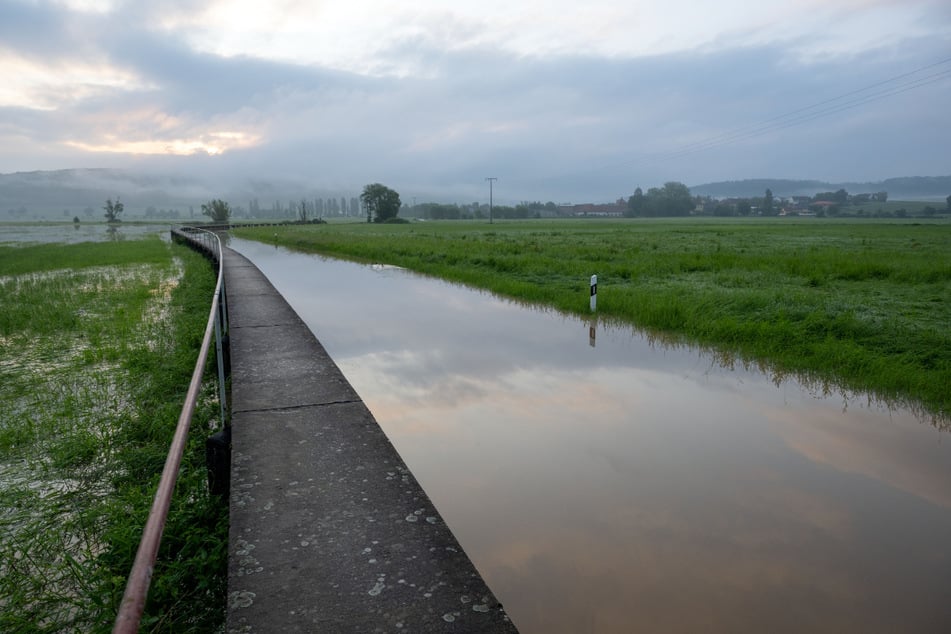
(614, 210)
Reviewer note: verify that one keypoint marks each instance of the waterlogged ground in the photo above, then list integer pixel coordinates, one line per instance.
(64, 398)
(606, 481)
(33, 233)
(98, 340)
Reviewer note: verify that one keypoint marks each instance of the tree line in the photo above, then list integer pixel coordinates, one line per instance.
(382, 204)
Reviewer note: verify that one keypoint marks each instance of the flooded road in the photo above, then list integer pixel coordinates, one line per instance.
(617, 484)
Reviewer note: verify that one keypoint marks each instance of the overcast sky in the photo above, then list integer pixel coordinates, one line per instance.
(561, 100)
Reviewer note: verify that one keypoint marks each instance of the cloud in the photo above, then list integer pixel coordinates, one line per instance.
(559, 103)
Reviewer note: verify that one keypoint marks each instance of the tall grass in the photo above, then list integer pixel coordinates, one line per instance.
(96, 359)
(861, 304)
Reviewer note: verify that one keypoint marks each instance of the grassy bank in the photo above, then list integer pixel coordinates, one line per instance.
(98, 341)
(861, 304)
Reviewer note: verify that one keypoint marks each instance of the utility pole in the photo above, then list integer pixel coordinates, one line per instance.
(491, 180)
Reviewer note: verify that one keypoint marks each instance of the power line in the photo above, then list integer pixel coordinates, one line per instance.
(882, 89)
(810, 113)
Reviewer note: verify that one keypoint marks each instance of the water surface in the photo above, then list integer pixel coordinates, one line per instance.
(619, 484)
(33, 233)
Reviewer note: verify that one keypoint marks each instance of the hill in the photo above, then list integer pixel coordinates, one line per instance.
(83, 192)
(902, 188)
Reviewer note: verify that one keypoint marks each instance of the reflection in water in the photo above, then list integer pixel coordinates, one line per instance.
(638, 484)
(19, 234)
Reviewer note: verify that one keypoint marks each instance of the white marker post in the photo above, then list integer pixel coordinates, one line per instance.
(594, 293)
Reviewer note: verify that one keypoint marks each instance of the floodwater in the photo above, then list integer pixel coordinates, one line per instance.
(618, 484)
(19, 234)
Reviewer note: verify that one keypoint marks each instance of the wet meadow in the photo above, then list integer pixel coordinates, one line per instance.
(97, 345)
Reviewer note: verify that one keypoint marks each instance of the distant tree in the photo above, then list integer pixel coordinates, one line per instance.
(768, 203)
(437, 211)
(75, 220)
(673, 199)
(743, 207)
(880, 197)
(948, 201)
(218, 210)
(636, 204)
(381, 202)
(302, 211)
(113, 210)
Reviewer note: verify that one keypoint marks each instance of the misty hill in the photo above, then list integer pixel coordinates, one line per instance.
(62, 194)
(72, 192)
(903, 188)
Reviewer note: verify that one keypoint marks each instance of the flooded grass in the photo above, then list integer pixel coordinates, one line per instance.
(97, 343)
(861, 304)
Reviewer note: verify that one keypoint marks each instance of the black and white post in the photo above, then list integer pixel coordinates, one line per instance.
(594, 293)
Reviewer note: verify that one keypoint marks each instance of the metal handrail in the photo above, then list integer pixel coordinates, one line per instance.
(137, 586)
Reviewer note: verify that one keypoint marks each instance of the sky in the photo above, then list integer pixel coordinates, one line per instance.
(565, 101)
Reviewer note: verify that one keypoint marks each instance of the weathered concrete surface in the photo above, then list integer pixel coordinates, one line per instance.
(330, 532)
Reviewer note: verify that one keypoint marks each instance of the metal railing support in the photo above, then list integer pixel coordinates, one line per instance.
(137, 585)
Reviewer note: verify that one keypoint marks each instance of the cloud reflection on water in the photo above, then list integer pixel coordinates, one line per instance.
(633, 483)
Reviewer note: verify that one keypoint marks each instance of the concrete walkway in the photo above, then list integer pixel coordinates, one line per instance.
(330, 532)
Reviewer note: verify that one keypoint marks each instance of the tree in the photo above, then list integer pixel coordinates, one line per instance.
(768, 203)
(113, 210)
(948, 200)
(636, 204)
(218, 210)
(302, 211)
(673, 199)
(380, 202)
(723, 210)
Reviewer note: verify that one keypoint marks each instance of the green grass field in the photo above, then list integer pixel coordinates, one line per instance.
(97, 346)
(858, 304)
